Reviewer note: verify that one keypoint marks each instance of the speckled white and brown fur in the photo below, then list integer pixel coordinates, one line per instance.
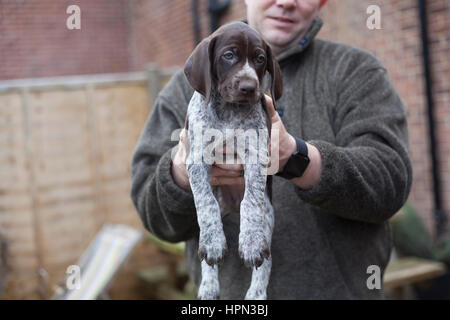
(256, 212)
(229, 96)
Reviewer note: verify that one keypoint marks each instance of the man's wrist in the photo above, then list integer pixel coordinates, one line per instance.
(176, 169)
(297, 162)
(286, 150)
(311, 176)
(312, 173)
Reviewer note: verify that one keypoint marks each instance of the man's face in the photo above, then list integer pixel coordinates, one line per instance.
(282, 23)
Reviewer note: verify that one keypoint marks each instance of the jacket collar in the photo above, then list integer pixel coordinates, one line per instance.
(305, 42)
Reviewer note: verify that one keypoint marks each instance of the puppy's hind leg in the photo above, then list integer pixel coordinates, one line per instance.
(261, 275)
(209, 286)
(260, 280)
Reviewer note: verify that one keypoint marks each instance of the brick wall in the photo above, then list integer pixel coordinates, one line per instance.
(35, 42)
(440, 54)
(119, 35)
(398, 46)
(162, 30)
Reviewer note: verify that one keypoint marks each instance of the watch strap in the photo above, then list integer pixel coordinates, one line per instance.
(301, 147)
(301, 154)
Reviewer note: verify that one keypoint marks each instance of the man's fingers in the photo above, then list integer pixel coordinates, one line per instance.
(270, 106)
(231, 166)
(184, 137)
(183, 134)
(218, 172)
(217, 181)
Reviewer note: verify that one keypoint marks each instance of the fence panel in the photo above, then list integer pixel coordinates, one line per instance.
(65, 152)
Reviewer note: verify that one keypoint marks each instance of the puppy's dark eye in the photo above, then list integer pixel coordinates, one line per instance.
(260, 58)
(228, 55)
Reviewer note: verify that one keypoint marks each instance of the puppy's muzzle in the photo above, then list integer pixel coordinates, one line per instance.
(247, 87)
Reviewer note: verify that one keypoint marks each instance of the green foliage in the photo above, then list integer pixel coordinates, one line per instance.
(174, 248)
(411, 237)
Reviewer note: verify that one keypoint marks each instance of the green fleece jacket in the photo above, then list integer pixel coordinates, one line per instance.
(339, 99)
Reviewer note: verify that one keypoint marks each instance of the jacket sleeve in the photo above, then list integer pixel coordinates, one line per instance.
(165, 209)
(366, 174)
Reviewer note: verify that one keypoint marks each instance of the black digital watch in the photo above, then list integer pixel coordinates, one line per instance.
(297, 163)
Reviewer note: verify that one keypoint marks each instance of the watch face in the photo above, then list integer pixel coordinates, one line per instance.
(298, 164)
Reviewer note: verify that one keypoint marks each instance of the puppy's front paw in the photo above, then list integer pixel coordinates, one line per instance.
(253, 247)
(212, 246)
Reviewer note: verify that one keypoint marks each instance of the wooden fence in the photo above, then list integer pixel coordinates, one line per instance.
(65, 149)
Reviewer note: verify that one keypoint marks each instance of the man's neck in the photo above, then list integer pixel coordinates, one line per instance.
(295, 42)
(279, 50)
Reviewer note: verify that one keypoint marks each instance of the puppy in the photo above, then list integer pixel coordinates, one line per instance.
(226, 71)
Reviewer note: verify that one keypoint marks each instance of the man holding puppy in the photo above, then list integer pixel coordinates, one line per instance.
(344, 167)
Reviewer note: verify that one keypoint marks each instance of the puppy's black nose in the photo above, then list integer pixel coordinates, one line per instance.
(247, 87)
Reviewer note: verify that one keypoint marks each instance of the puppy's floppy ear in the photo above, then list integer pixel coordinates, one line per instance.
(199, 67)
(275, 72)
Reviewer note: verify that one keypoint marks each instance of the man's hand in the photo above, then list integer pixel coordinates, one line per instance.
(286, 146)
(282, 145)
(221, 174)
(232, 174)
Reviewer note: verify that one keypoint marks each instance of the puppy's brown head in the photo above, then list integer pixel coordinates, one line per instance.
(233, 61)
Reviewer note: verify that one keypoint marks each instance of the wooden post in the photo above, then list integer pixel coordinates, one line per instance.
(154, 83)
(95, 157)
(40, 272)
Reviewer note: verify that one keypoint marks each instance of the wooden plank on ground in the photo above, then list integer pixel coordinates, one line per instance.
(406, 271)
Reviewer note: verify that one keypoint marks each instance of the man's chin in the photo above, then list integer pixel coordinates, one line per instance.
(278, 41)
(278, 37)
